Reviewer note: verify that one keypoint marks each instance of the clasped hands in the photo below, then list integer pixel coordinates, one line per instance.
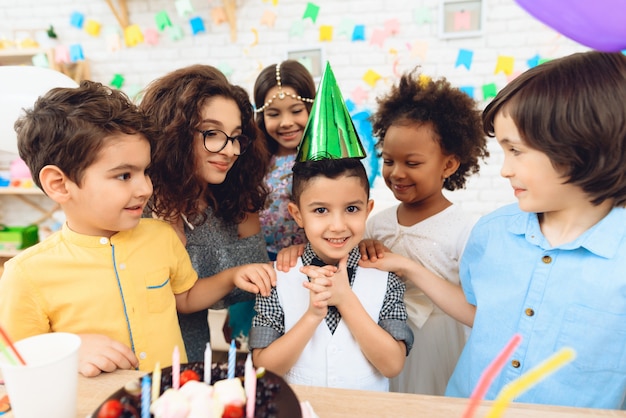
(329, 286)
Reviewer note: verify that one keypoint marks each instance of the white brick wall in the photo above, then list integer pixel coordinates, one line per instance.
(508, 31)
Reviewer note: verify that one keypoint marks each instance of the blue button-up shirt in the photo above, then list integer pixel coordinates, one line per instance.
(572, 295)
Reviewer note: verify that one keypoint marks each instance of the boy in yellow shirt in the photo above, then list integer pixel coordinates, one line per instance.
(113, 278)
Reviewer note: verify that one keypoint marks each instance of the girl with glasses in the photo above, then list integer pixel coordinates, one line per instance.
(207, 170)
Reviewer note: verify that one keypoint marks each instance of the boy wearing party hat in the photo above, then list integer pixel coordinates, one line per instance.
(328, 322)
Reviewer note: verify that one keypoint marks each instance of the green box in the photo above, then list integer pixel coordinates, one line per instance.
(18, 237)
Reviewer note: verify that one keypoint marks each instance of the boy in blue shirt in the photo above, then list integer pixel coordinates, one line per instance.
(550, 267)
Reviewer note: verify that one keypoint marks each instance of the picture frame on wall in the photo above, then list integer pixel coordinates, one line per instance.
(312, 59)
(461, 18)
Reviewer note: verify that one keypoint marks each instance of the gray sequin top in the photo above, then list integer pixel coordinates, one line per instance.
(214, 246)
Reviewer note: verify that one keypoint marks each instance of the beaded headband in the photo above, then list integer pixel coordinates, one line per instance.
(281, 94)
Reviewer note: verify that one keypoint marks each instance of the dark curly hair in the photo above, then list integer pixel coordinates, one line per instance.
(67, 127)
(174, 103)
(292, 74)
(453, 114)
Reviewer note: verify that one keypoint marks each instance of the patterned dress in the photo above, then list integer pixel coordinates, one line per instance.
(278, 227)
(213, 247)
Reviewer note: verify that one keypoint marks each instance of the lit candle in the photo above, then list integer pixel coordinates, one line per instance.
(156, 381)
(520, 385)
(489, 374)
(232, 355)
(249, 385)
(145, 397)
(176, 368)
(208, 360)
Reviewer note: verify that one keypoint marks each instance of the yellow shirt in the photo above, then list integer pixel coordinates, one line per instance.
(122, 287)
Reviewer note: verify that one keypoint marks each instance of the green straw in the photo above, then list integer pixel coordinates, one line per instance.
(8, 355)
(8, 342)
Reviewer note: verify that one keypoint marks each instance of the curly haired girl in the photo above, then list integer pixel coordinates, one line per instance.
(207, 169)
(430, 138)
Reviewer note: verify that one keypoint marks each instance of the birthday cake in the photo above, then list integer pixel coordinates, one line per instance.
(222, 398)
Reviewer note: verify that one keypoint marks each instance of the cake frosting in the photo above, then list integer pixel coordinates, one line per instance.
(270, 397)
(199, 400)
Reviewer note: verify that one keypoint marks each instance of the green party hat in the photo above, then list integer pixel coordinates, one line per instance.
(329, 132)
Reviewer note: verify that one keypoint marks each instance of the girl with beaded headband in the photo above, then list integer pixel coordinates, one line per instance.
(283, 94)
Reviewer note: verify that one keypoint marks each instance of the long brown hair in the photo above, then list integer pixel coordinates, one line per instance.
(174, 103)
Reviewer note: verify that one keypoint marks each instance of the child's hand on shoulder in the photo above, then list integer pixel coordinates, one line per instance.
(288, 257)
(315, 272)
(392, 262)
(372, 249)
(255, 278)
(99, 353)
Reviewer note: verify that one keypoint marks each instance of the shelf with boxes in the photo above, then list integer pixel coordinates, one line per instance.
(77, 71)
(26, 213)
(22, 56)
(37, 211)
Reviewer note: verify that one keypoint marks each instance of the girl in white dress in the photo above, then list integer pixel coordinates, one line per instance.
(431, 138)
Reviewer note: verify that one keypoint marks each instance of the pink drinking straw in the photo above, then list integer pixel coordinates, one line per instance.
(489, 374)
(249, 384)
(176, 368)
(10, 344)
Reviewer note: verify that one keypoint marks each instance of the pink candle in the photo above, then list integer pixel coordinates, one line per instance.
(249, 384)
(489, 374)
(176, 368)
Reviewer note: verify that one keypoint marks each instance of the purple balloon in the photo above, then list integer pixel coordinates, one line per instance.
(598, 24)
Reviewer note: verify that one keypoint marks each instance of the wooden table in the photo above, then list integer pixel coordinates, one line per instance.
(340, 403)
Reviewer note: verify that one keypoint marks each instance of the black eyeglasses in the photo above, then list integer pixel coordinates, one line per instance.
(216, 140)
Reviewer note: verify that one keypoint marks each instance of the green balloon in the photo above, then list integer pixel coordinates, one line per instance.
(329, 132)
